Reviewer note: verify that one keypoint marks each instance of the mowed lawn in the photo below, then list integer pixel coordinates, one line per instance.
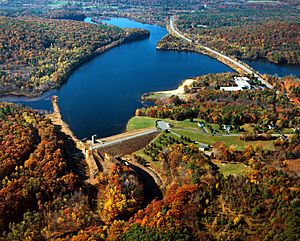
(233, 168)
(141, 122)
(228, 140)
(190, 129)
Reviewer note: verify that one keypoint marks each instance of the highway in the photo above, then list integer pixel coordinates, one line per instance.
(176, 32)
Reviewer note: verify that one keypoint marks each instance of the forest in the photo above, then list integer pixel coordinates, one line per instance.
(275, 40)
(157, 11)
(45, 190)
(238, 15)
(269, 33)
(65, 14)
(43, 196)
(201, 204)
(34, 169)
(39, 54)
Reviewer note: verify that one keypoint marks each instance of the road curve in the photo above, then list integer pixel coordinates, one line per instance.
(176, 32)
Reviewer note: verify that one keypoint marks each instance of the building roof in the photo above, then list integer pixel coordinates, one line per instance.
(242, 82)
(162, 125)
(231, 88)
(202, 145)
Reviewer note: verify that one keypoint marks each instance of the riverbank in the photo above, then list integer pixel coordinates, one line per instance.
(62, 75)
(77, 150)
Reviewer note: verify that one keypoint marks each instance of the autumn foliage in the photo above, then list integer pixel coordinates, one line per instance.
(39, 54)
(41, 198)
(33, 167)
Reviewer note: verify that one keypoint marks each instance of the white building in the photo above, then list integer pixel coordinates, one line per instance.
(231, 88)
(241, 82)
(163, 125)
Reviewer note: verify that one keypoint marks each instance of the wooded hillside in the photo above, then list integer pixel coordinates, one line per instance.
(39, 54)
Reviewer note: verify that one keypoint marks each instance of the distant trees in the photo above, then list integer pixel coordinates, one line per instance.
(275, 40)
(65, 14)
(39, 54)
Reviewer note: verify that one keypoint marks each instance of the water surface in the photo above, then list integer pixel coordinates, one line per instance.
(265, 67)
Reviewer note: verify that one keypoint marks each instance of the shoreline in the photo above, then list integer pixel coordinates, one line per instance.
(57, 119)
(179, 91)
(258, 56)
(130, 36)
(192, 49)
(136, 19)
(230, 61)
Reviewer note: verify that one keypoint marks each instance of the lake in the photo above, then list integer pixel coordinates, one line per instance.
(101, 96)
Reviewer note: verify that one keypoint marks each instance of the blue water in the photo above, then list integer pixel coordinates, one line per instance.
(101, 96)
(280, 70)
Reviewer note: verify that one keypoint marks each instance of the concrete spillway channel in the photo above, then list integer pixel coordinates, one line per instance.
(150, 181)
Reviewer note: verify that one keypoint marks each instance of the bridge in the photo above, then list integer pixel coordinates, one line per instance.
(175, 32)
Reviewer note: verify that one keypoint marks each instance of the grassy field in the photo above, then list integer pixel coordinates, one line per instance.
(191, 130)
(154, 164)
(228, 140)
(141, 153)
(195, 133)
(233, 169)
(161, 141)
(141, 122)
(225, 169)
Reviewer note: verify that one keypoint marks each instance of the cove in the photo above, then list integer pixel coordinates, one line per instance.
(101, 96)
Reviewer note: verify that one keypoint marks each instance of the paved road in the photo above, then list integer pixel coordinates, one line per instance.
(238, 64)
(124, 139)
